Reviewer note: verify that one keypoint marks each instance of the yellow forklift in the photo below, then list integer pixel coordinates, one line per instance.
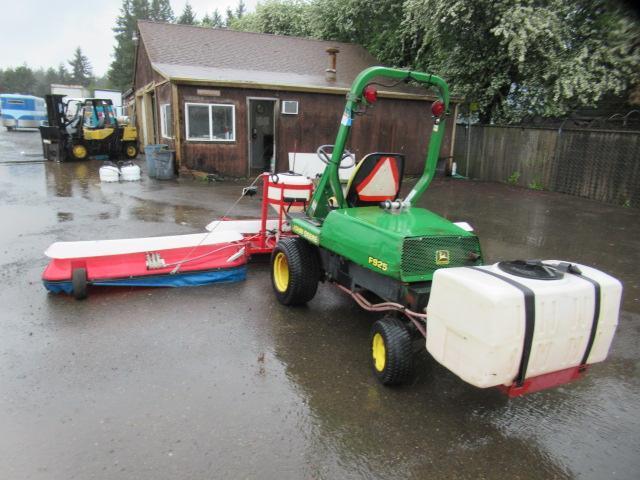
(92, 129)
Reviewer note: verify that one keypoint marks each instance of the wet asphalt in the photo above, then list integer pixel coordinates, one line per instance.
(223, 382)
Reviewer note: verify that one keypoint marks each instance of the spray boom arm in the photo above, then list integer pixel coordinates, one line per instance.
(329, 185)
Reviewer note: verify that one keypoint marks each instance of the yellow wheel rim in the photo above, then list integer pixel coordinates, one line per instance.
(281, 272)
(379, 352)
(131, 151)
(79, 151)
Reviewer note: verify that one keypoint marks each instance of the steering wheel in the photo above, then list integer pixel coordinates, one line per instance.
(325, 156)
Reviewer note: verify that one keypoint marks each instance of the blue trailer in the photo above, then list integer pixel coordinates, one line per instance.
(21, 111)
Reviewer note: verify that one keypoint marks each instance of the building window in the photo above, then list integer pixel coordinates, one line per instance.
(210, 122)
(166, 125)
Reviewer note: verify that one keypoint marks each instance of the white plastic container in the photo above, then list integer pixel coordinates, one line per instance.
(476, 322)
(278, 193)
(130, 172)
(109, 173)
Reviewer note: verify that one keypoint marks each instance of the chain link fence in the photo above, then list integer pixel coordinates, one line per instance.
(598, 164)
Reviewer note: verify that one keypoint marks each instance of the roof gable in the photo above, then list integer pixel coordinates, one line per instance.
(188, 52)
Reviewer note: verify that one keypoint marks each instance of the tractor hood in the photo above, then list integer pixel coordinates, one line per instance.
(408, 246)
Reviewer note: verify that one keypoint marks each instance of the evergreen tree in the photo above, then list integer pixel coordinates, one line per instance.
(121, 69)
(62, 74)
(18, 80)
(81, 71)
(161, 11)
(214, 20)
(229, 18)
(240, 9)
(188, 16)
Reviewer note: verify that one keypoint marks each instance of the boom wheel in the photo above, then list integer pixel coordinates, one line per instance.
(79, 282)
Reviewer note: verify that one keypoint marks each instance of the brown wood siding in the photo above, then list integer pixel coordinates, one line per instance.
(144, 73)
(393, 125)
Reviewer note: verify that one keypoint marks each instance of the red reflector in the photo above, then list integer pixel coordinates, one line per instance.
(370, 94)
(437, 108)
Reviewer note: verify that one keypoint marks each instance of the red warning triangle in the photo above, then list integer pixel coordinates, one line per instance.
(382, 183)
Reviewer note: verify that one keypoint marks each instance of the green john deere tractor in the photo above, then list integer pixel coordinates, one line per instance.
(379, 248)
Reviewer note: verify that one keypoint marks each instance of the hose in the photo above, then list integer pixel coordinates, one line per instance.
(416, 318)
(187, 257)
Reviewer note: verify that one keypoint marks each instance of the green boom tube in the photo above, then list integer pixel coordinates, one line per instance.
(329, 185)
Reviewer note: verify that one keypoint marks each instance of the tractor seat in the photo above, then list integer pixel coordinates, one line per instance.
(376, 178)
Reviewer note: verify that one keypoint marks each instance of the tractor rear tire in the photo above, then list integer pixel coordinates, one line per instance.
(79, 282)
(391, 351)
(295, 271)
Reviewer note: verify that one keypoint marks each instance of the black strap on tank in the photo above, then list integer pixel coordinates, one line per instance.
(529, 321)
(574, 270)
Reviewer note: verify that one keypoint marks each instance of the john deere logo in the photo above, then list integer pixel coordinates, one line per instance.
(442, 257)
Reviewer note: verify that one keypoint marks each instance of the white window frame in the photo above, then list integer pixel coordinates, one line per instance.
(210, 105)
(163, 121)
(291, 101)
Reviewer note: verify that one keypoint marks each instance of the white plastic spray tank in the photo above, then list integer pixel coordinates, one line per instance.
(503, 323)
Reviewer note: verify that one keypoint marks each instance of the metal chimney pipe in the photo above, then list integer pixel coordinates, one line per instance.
(330, 72)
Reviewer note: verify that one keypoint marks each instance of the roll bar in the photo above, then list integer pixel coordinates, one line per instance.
(329, 185)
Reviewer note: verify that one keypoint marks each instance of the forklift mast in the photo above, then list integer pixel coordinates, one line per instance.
(55, 110)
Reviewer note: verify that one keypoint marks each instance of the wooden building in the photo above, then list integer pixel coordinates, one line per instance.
(237, 102)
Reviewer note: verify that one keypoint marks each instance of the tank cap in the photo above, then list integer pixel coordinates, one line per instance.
(533, 269)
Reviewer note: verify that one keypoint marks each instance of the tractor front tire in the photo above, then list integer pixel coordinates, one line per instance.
(79, 283)
(391, 351)
(295, 271)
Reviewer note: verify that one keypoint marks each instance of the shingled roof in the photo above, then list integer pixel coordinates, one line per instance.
(213, 55)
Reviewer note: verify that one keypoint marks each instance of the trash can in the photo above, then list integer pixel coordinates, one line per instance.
(164, 164)
(150, 158)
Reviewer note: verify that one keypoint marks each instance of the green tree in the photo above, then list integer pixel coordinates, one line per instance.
(229, 17)
(522, 57)
(81, 71)
(161, 11)
(282, 17)
(18, 80)
(374, 25)
(188, 16)
(121, 68)
(214, 20)
(241, 9)
(62, 74)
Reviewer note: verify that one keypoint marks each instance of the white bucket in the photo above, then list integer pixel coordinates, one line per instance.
(109, 173)
(130, 172)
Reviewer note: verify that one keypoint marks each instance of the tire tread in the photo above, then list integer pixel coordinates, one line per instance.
(399, 351)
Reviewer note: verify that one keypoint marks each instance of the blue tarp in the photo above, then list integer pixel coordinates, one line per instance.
(189, 279)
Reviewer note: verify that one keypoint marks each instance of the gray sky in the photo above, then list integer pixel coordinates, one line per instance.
(43, 33)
